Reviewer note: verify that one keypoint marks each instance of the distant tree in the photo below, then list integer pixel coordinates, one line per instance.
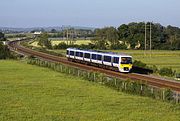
(107, 38)
(32, 31)
(112, 37)
(133, 35)
(2, 37)
(43, 41)
(4, 51)
(123, 31)
(100, 39)
(61, 45)
(53, 31)
(162, 37)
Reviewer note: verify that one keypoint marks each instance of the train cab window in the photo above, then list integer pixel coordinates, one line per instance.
(77, 54)
(99, 57)
(107, 58)
(72, 53)
(94, 56)
(116, 60)
(81, 54)
(67, 52)
(87, 55)
(126, 60)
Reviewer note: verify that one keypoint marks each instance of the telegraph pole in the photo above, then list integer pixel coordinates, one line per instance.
(145, 40)
(67, 37)
(150, 37)
(150, 40)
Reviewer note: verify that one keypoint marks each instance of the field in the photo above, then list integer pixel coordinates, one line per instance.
(32, 93)
(56, 42)
(12, 37)
(78, 42)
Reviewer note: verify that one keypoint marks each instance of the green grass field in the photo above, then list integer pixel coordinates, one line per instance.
(31, 93)
(78, 42)
(56, 42)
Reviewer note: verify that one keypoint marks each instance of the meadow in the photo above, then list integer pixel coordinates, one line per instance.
(56, 42)
(33, 93)
(77, 42)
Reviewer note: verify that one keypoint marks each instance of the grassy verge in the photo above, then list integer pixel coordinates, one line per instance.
(31, 93)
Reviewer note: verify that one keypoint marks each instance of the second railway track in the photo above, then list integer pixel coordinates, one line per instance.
(154, 81)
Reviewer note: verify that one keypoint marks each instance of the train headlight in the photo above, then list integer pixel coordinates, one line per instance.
(126, 68)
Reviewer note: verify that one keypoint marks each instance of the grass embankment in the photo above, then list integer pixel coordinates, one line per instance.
(32, 93)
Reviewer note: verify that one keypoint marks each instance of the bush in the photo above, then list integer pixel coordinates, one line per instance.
(139, 64)
(178, 75)
(61, 45)
(166, 72)
(154, 68)
(4, 51)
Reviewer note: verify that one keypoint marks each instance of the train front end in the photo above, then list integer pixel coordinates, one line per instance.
(125, 64)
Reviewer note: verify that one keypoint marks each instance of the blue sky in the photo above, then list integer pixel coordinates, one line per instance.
(91, 13)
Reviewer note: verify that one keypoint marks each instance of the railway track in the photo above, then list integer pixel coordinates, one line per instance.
(154, 81)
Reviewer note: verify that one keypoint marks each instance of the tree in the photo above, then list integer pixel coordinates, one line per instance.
(43, 41)
(123, 31)
(162, 37)
(53, 31)
(2, 37)
(4, 51)
(100, 40)
(133, 34)
(106, 38)
(112, 37)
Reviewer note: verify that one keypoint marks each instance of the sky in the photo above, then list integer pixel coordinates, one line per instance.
(88, 13)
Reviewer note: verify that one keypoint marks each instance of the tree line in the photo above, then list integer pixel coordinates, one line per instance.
(127, 36)
(132, 36)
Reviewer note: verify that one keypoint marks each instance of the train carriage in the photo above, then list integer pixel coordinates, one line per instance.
(120, 62)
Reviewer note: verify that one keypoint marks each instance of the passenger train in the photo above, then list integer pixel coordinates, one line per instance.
(113, 61)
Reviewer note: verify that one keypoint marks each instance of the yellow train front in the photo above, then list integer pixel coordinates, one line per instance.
(125, 63)
(109, 60)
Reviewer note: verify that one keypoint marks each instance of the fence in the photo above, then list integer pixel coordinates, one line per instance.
(128, 86)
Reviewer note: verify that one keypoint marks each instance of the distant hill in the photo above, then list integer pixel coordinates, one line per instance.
(12, 30)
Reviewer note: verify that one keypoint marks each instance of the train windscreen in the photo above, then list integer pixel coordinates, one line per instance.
(126, 60)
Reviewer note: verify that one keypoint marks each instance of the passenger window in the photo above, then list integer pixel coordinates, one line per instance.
(87, 55)
(81, 54)
(94, 56)
(72, 53)
(107, 58)
(77, 54)
(116, 60)
(99, 57)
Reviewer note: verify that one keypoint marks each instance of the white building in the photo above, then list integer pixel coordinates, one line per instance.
(37, 33)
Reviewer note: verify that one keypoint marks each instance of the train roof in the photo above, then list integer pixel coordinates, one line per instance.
(102, 52)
